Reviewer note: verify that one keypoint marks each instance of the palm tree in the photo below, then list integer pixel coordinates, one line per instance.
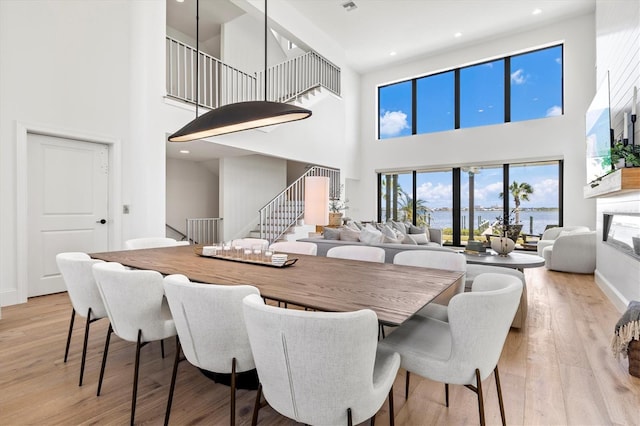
(405, 202)
(520, 192)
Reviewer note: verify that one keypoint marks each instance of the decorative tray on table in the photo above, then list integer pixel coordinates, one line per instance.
(289, 262)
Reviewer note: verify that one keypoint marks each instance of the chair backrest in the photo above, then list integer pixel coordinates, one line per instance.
(313, 365)
(248, 243)
(480, 321)
(297, 247)
(210, 323)
(553, 233)
(77, 272)
(134, 300)
(450, 261)
(152, 242)
(364, 253)
(432, 259)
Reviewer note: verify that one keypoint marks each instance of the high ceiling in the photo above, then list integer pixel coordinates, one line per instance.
(376, 28)
(411, 28)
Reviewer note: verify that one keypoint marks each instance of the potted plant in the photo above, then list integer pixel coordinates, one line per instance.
(629, 153)
(336, 208)
(508, 233)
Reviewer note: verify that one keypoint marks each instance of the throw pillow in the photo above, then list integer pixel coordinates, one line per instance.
(370, 235)
(352, 225)
(348, 234)
(415, 229)
(388, 240)
(408, 239)
(331, 233)
(420, 238)
(399, 226)
(388, 232)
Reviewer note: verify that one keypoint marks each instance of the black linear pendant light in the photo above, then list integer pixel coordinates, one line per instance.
(241, 115)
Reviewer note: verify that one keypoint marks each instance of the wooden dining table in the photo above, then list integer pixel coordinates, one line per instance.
(393, 292)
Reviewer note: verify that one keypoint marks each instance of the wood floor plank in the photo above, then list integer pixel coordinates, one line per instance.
(557, 369)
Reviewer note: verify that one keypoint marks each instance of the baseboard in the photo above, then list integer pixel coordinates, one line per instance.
(618, 300)
(9, 297)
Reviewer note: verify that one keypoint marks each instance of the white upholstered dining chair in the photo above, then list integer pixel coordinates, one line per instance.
(296, 247)
(137, 309)
(152, 242)
(465, 350)
(319, 367)
(450, 261)
(247, 243)
(364, 253)
(211, 330)
(76, 270)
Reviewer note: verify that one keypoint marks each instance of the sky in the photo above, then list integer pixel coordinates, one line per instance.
(536, 92)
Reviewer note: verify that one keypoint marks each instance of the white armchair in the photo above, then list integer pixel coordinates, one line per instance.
(574, 252)
(550, 235)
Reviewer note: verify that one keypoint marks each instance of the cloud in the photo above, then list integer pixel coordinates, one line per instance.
(435, 194)
(518, 77)
(554, 111)
(392, 123)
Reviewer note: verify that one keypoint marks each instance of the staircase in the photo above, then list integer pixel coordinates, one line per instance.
(280, 219)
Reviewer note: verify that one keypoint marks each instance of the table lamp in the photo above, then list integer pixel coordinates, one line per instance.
(316, 201)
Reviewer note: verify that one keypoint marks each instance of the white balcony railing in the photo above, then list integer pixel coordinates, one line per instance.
(221, 84)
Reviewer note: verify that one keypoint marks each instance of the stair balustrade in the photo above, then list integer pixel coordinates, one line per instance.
(204, 230)
(286, 208)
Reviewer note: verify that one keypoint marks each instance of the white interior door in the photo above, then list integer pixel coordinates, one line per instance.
(67, 205)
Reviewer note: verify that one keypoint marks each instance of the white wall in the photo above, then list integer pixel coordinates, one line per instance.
(243, 45)
(192, 192)
(247, 183)
(552, 138)
(618, 51)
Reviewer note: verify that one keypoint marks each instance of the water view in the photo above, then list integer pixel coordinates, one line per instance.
(533, 221)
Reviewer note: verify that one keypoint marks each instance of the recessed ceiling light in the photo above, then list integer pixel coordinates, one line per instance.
(458, 34)
(536, 11)
(392, 53)
(184, 151)
(180, 1)
(349, 6)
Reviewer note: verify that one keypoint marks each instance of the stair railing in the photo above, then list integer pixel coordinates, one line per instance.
(204, 230)
(286, 208)
(290, 79)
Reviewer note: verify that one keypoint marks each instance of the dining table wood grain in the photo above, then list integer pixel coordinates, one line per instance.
(393, 292)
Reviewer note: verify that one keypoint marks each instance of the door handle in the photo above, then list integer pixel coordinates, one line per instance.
(102, 221)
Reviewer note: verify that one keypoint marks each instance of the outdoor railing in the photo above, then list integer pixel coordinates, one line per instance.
(286, 208)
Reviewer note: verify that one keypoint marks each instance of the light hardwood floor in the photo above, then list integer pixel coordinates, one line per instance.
(557, 370)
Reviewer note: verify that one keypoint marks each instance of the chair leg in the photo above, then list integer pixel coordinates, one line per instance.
(232, 403)
(73, 317)
(446, 394)
(392, 420)
(84, 346)
(480, 398)
(256, 406)
(174, 374)
(349, 419)
(162, 348)
(372, 420)
(406, 386)
(136, 370)
(104, 357)
(499, 389)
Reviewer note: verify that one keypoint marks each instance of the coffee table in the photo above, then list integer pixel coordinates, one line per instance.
(512, 260)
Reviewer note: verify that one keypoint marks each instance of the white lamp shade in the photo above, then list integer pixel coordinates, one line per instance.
(316, 200)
